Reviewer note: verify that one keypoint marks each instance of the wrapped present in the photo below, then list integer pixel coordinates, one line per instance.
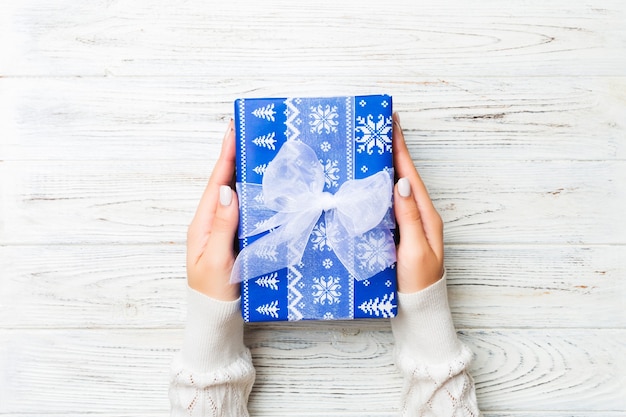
(315, 181)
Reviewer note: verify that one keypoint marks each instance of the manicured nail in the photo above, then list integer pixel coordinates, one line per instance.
(397, 120)
(226, 195)
(229, 128)
(404, 187)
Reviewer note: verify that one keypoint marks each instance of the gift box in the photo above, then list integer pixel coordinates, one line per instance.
(316, 230)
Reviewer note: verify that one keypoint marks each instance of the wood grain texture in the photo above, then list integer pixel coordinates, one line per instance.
(161, 118)
(555, 202)
(142, 286)
(111, 116)
(282, 38)
(320, 367)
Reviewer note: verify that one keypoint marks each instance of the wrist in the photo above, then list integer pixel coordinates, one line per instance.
(424, 328)
(213, 332)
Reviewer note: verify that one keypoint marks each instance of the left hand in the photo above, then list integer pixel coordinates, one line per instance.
(211, 234)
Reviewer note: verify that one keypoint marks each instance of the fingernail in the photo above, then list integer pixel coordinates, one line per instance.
(226, 195)
(404, 187)
(229, 128)
(397, 118)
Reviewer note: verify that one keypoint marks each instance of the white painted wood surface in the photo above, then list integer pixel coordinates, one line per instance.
(111, 116)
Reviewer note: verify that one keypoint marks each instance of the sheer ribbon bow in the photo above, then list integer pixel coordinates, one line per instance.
(291, 200)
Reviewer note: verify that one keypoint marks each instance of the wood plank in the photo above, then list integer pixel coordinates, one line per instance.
(329, 368)
(165, 413)
(444, 119)
(280, 38)
(78, 202)
(127, 286)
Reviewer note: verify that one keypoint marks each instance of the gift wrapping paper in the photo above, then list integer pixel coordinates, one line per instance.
(352, 137)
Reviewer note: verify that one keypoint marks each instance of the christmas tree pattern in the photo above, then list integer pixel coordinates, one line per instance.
(260, 169)
(270, 309)
(266, 141)
(377, 307)
(269, 281)
(266, 112)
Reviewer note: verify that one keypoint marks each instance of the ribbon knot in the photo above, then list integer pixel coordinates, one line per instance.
(288, 205)
(327, 201)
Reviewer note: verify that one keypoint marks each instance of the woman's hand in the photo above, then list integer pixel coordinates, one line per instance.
(211, 234)
(420, 251)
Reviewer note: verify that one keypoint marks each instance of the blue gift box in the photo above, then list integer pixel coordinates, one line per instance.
(351, 137)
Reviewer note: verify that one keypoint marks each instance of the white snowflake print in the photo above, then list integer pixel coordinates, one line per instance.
(374, 251)
(325, 146)
(327, 263)
(326, 290)
(319, 238)
(362, 103)
(331, 172)
(364, 169)
(388, 283)
(384, 103)
(366, 282)
(323, 118)
(375, 135)
(328, 316)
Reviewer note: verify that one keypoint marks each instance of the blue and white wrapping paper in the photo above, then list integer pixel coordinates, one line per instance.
(351, 136)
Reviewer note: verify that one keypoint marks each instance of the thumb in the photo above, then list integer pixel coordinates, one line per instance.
(408, 215)
(224, 225)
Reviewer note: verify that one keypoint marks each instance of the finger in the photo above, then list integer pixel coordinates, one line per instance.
(223, 173)
(224, 227)
(404, 167)
(408, 216)
(403, 163)
(211, 270)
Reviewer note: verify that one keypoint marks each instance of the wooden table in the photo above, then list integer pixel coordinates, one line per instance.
(111, 116)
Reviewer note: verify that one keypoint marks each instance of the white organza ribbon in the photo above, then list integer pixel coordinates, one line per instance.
(291, 200)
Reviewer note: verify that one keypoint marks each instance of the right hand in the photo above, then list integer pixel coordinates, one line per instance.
(420, 250)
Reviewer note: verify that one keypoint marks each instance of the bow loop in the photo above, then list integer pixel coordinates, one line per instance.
(291, 200)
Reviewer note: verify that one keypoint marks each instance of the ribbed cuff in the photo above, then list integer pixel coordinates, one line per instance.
(423, 329)
(213, 334)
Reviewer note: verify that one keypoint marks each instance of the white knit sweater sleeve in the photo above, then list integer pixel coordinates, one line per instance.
(212, 375)
(432, 360)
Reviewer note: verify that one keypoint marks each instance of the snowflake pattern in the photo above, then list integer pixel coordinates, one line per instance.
(331, 172)
(319, 238)
(375, 135)
(326, 290)
(374, 250)
(324, 119)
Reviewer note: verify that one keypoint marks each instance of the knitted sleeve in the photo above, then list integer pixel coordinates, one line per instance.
(432, 360)
(213, 374)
